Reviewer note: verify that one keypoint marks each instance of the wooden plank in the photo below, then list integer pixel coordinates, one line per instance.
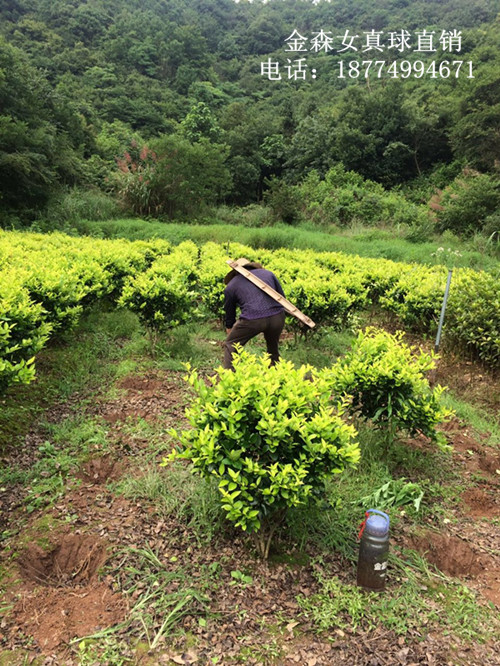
(289, 307)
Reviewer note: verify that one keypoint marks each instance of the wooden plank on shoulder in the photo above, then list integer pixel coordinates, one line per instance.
(289, 307)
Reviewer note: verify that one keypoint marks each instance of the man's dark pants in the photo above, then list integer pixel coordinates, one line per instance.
(246, 329)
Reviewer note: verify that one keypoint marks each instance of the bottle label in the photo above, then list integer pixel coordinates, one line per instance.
(380, 566)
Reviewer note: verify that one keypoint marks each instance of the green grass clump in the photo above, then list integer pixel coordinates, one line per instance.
(480, 420)
(176, 493)
(157, 610)
(402, 607)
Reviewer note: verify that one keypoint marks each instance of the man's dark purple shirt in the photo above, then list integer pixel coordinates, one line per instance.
(254, 303)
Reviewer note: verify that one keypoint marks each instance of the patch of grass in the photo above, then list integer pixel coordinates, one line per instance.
(80, 435)
(480, 420)
(320, 348)
(114, 323)
(384, 479)
(20, 658)
(162, 597)
(70, 443)
(363, 241)
(157, 611)
(49, 473)
(268, 651)
(82, 361)
(152, 437)
(464, 617)
(332, 525)
(347, 606)
(195, 343)
(394, 494)
(10, 476)
(295, 558)
(175, 492)
(126, 367)
(107, 650)
(420, 597)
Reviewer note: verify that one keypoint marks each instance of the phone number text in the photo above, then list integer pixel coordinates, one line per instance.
(404, 69)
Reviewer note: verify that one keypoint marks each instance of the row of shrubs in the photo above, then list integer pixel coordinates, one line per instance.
(469, 204)
(48, 280)
(330, 288)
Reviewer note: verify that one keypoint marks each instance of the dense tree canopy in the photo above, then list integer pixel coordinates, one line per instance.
(81, 79)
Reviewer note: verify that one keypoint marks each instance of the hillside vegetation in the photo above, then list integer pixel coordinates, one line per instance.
(159, 108)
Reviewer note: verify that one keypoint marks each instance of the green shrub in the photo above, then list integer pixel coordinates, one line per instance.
(164, 296)
(269, 436)
(253, 215)
(77, 204)
(473, 313)
(344, 197)
(283, 201)
(385, 382)
(23, 331)
(466, 205)
(173, 177)
(417, 297)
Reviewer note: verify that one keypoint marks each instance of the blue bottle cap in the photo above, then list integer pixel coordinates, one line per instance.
(377, 523)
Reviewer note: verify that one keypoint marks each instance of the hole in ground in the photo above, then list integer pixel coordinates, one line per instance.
(448, 553)
(99, 470)
(74, 560)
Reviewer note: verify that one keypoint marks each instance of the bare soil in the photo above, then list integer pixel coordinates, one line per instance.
(449, 554)
(145, 397)
(100, 469)
(54, 616)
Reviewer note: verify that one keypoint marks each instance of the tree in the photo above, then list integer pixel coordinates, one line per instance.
(38, 134)
(200, 123)
(476, 135)
(465, 205)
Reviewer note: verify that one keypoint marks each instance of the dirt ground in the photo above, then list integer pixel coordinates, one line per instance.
(58, 592)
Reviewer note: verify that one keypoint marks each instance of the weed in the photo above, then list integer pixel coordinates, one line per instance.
(49, 472)
(107, 651)
(10, 476)
(419, 596)
(266, 652)
(240, 578)
(480, 420)
(80, 436)
(156, 610)
(186, 344)
(393, 494)
(464, 616)
(320, 349)
(401, 608)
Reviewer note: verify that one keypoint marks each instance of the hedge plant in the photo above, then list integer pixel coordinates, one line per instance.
(385, 382)
(270, 437)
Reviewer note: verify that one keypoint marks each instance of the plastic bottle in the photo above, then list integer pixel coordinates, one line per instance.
(373, 551)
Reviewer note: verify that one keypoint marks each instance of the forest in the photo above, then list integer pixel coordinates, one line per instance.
(163, 109)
